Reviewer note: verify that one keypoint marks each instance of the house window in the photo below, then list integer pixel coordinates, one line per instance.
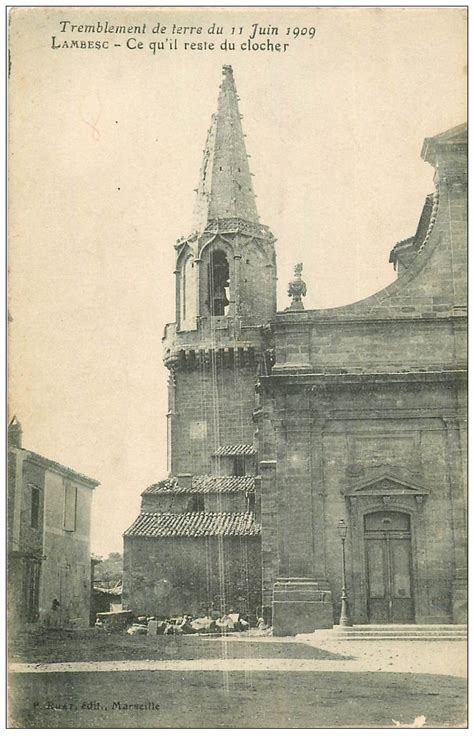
(35, 507)
(70, 507)
(31, 590)
(196, 504)
(239, 465)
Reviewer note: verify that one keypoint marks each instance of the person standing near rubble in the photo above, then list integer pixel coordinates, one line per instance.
(54, 615)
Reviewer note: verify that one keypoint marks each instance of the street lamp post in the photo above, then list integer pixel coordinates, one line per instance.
(345, 619)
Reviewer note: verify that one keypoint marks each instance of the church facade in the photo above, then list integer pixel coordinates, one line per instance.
(282, 424)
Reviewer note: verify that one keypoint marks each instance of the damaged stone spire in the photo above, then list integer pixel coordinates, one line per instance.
(225, 183)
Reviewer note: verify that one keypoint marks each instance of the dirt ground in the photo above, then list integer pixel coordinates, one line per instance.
(54, 646)
(233, 700)
(120, 681)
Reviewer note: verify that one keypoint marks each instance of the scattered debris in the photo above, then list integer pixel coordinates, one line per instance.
(114, 622)
(204, 625)
(152, 627)
(137, 629)
(126, 621)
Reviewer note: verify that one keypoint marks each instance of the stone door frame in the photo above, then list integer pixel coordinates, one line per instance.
(389, 539)
(384, 493)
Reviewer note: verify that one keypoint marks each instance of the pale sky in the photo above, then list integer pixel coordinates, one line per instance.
(105, 151)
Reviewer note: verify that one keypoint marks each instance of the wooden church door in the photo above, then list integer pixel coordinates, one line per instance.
(388, 561)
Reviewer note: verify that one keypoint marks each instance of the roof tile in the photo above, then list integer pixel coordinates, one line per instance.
(166, 486)
(229, 450)
(206, 484)
(60, 468)
(222, 484)
(193, 524)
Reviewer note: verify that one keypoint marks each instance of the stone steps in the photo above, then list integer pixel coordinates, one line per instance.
(396, 633)
(402, 627)
(403, 637)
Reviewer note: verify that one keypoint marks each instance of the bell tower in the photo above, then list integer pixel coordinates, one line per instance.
(225, 297)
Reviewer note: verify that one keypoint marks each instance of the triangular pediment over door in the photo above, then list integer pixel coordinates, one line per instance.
(387, 481)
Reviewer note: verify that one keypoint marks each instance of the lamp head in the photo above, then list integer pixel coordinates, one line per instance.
(341, 528)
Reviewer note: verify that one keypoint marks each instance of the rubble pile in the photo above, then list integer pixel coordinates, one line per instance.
(118, 622)
(114, 622)
(128, 622)
(188, 625)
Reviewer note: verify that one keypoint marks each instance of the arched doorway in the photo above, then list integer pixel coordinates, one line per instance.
(389, 567)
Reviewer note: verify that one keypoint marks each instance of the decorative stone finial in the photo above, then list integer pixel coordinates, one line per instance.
(14, 433)
(297, 289)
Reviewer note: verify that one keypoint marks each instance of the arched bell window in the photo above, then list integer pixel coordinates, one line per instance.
(188, 295)
(218, 284)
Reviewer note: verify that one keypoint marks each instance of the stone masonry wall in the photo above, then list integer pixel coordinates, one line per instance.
(213, 406)
(356, 345)
(357, 431)
(31, 539)
(378, 386)
(408, 440)
(235, 502)
(66, 572)
(172, 576)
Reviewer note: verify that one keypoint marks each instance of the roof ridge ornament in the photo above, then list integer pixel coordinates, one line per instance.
(297, 289)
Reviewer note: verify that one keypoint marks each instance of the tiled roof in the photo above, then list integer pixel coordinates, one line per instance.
(193, 524)
(206, 484)
(242, 449)
(114, 591)
(222, 484)
(166, 486)
(63, 470)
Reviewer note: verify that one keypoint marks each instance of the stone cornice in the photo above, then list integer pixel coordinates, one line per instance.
(243, 354)
(235, 225)
(312, 317)
(377, 377)
(388, 493)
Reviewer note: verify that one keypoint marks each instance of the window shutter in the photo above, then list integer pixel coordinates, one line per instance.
(70, 505)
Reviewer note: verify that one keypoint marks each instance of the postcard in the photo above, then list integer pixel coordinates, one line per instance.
(237, 367)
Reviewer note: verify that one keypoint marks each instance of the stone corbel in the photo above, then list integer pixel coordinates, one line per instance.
(419, 499)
